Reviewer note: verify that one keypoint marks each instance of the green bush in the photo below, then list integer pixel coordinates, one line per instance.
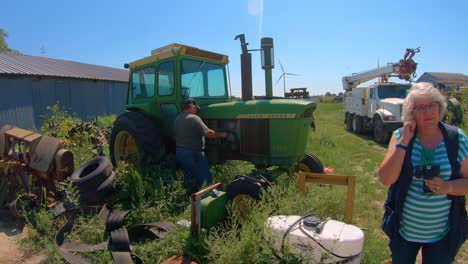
(85, 139)
(464, 104)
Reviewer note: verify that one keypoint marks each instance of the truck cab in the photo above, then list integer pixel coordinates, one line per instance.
(158, 84)
(376, 109)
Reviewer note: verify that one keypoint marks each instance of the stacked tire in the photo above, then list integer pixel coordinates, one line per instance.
(95, 180)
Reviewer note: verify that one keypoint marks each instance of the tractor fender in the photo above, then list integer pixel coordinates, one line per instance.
(248, 185)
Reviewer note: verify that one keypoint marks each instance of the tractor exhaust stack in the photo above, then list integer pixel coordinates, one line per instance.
(246, 69)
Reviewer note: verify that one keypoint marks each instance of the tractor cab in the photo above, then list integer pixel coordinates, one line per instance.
(159, 83)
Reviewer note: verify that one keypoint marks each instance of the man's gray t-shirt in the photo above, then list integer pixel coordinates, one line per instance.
(190, 131)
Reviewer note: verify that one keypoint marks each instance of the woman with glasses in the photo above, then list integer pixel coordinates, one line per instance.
(422, 189)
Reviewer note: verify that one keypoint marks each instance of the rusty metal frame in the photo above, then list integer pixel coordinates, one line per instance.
(38, 160)
(318, 178)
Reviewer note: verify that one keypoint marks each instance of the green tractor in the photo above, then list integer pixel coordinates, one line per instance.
(266, 131)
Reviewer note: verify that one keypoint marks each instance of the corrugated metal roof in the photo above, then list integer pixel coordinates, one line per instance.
(449, 78)
(41, 66)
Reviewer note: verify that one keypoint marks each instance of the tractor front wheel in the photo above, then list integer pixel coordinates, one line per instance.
(135, 139)
(310, 163)
(244, 192)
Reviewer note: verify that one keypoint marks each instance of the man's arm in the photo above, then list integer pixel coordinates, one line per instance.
(207, 132)
(213, 134)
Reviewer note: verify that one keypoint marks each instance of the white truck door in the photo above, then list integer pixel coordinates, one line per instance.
(373, 102)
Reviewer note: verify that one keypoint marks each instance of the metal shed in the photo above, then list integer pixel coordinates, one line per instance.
(28, 84)
(444, 80)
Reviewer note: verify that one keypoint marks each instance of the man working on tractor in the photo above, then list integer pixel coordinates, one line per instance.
(190, 133)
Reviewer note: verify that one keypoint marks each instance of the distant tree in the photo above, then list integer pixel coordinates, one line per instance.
(340, 94)
(328, 94)
(3, 45)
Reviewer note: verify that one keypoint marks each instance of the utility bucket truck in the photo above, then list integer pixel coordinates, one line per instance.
(378, 108)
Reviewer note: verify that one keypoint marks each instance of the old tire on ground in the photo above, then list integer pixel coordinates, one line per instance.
(243, 193)
(310, 163)
(381, 136)
(349, 121)
(99, 194)
(91, 174)
(358, 124)
(135, 139)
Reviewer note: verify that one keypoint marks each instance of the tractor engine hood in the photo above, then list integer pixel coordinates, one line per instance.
(271, 132)
(259, 109)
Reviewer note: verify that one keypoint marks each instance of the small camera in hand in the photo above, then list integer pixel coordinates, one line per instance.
(426, 172)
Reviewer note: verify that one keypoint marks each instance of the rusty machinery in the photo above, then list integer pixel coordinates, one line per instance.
(31, 165)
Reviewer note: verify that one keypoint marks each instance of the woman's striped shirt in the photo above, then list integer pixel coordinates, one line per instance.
(425, 215)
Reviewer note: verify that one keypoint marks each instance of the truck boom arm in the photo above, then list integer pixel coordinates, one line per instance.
(405, 69)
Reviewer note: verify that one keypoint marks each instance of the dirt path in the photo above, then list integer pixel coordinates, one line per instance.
(10, 232)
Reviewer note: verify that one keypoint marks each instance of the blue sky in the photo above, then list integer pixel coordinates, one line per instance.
(321, 41)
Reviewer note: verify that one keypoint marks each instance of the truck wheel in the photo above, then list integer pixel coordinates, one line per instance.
(380, 135)
(310, 163)
(349, 121)
(357, 124)
(135, 139)
(243, 193)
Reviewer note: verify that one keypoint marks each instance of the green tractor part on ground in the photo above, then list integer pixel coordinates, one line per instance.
(266, 132)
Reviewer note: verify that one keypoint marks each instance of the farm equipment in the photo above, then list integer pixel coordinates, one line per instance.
(267, 132)
(31, 164)
(297, 93)
(314, 240)
(378, 108)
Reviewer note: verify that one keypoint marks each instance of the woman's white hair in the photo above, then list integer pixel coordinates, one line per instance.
(422, 89)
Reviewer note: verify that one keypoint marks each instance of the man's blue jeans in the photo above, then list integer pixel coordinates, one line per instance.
(404, 252)
(196, 168)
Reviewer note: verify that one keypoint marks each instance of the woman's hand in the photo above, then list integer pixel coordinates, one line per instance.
(439, 186)
(407, 132)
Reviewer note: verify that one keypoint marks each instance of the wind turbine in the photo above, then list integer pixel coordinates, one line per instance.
(283, 75)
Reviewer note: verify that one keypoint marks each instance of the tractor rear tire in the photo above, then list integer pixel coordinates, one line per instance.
(381, 136)
(136, 139)
(349, 121)
(311, 163)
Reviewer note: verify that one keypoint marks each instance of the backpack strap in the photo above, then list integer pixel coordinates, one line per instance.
(458, 216)
(451, 139)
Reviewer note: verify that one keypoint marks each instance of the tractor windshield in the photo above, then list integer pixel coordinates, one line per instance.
(393, 91)
(201, 79)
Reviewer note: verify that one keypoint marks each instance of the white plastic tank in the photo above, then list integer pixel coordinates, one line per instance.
(315, 241)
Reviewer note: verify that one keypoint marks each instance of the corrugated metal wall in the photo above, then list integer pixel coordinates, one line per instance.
(24, 99)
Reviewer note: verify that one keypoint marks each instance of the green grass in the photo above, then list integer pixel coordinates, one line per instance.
(158, 195)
